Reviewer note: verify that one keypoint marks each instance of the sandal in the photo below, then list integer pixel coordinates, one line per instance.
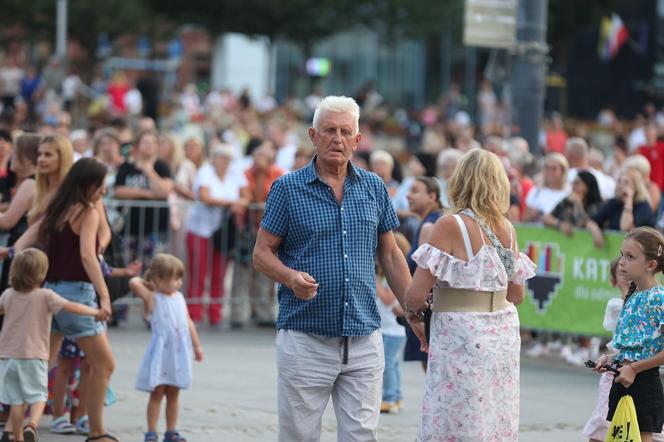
(61, 425)
(83, 425)
(173, 436)
(151, 436)
(30, 433)
(100, 437)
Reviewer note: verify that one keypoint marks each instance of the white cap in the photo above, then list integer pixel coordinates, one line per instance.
(78, 134)
(222, 149)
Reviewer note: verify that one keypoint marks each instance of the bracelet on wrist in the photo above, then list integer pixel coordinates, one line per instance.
(419, 314)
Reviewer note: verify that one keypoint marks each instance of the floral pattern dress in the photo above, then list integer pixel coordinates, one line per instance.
(472, 381)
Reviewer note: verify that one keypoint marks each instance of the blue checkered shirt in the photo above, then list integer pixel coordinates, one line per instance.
(334, 243)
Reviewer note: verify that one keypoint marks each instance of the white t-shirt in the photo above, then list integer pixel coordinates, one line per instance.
(636, 139)
(203, 219)
(545, 199)
(611, 316)
(607, 185)
(388, 320)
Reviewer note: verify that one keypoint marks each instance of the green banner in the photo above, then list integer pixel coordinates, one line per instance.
(572, 285)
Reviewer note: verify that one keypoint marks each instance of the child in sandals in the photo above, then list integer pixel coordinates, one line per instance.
(24, 340)
(166, 367)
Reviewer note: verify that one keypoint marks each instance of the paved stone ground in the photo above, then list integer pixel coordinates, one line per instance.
(234, 394)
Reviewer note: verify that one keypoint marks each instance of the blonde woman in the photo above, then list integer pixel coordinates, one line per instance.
(541, 200)
(642, 165)
(630, 208)
(55, 157)
(472, 262)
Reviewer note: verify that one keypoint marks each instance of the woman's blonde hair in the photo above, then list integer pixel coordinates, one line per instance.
(479, 183)
(164, 266)
(28, 270)
(559, 159)
(640, 189)
(177, 151)
(66, 153)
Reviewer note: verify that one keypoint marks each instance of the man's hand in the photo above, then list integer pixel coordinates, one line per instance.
(303, 285)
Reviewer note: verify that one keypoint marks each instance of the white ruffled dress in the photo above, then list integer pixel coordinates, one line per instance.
(472, 381)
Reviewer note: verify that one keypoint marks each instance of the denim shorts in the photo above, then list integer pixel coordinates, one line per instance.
(23, 381)
(69, 324)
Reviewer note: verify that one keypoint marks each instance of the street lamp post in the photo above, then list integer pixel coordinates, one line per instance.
(61, 29)
(530, 70)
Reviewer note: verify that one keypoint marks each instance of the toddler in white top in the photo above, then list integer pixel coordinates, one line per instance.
(166, 367)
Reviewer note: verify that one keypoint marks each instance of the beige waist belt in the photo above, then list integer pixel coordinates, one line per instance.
(460, 300)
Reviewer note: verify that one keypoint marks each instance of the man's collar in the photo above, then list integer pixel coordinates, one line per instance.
(311, 174)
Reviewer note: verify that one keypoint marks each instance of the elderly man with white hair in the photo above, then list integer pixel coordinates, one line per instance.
(446, 164)
(323, 228)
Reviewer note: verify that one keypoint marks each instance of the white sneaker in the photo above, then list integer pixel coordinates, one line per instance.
(537, 350)
(566, 352)
(83, 425)
(554, 345)
(61, 425)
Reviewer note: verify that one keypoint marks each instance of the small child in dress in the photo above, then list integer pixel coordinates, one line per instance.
(166, 367)
(25, 338)
(638, 338)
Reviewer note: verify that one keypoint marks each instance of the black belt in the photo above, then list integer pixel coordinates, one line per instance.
(344, 342)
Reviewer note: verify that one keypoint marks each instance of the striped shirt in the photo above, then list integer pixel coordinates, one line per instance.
(334, 243)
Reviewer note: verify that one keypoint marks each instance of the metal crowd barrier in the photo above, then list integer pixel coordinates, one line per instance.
(142, 229)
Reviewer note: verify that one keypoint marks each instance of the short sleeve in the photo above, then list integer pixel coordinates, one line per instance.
(531, 199)
(524, 269)
(55, 302)
(275, 219)
(240, 177)
(643, 215)
(121, 176)
(603, 213)
(388, 219)
(162, 169)
(559, 210)
(612, 313)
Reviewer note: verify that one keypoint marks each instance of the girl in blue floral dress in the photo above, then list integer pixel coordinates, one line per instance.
(639, 338)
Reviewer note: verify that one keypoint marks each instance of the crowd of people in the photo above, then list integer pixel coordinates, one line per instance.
(224, 182)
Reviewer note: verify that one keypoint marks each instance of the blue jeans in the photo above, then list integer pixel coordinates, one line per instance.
(393, 347)
(71, 325)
